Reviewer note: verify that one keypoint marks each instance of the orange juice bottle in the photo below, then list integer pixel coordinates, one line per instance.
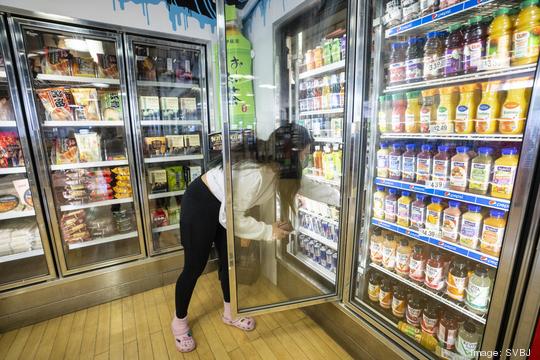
(514, 108)
(446, 111)
(527, 34)
(499, 40)
(466, 109)
(504, 174)
(412, 114)
(489, 109)
(493, 233)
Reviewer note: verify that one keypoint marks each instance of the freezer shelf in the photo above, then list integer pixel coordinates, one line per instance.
(328, 140)
(144, 83)
(166, 194)
(76, 79)
(21, 255)
(13, 170)
(173, 158)
(327, 242)
(86, 165)
(319, 269)
(481, 200)
(443, 244)
(8, 124)
(103, 123)
(17, 214)
(436, 295)
(166, 228)
(322, 70)
(103, 240)
(96, 204)
(171, 123)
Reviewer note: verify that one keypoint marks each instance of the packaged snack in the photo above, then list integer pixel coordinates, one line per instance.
(192, 143)
(6, 111)
(193, 172)
(56, 104)
(23, 190)
(155, 146)
(146, 68)
(8, 202)
(149, 107)
(111, 106)
(74, 227)
(83, 66)
(107, 66)
(173, 211)
(123, 219)
(169, 108)
(65, 151)
(89, 144)
(123, 170)
(10, 150)
(121, 184)
(56, 61)
(87, 104)
(175, 178)
(164, 66)
(175, 144)
(158, 180)
(160, 217)
(115, 149)
(188, 108)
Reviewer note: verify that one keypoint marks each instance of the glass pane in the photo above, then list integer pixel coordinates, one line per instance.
(286, 147)
(170, 119)
(449, 100)
(81, 116)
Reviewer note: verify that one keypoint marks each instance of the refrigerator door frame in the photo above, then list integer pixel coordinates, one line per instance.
(514, 228)
(129, 40)
(222, 56)
(16, 26)
(30, 173)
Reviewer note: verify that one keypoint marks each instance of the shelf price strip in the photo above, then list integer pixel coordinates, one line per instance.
(446, 193)
(446, 245)
(436, 16)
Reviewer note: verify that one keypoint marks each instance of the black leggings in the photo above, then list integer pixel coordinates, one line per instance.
(199, 228)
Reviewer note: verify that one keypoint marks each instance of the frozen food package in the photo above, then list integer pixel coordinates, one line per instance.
(123, 219)
(146, 67)
(56, 104)
(111, 105)
(122, 170)
(159, 217)
(175, 178)
(169, 107)
(165, 66)
(57, 61)
(192, 143)
(155, 146)
(149, 107)
(65, 151)
(22, 186)
(6, 111)
(115, 149)
(158, 180)
(86, 101)
(175, 144)
(8, 202)
(107, 66)
(89, 145)
(10, 150)
(83, 66)
(188, 108)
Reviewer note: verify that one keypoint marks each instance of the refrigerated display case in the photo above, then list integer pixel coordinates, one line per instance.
(451, 148)
(25, 256)
(169, 117)
(76, 105)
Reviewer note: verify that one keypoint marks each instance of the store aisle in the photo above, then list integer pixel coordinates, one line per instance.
(137, 327)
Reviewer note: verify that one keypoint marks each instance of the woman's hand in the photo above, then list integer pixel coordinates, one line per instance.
(280, 230)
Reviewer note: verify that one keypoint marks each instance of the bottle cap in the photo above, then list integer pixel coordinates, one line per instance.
(412, 40)
(392, 191)
(462, 149)
(396, 147)
(528, 3)
(432, 34)
(481, 271)
(410, 147)
(454, 27)
(230, 13)
(380, 188)
(413, 94)
(426, 147)
(454, 203)
(418, 248)
(509, 151)
(475, 20)
(474, 208)
(496, 213)
(405, 193)
(485, 150)
(382, 98)
(384, 145)
(396, 46)
(436, 200)
(442, 148)
(442, 34)
(502, 11)
(420, 197)
(514, 11)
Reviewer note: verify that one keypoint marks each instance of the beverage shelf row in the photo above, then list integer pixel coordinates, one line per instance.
(318, 268)
(471, 137)
(326, 242)
(322, 70)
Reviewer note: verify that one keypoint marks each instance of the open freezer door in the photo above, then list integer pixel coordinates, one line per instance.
(284, 74)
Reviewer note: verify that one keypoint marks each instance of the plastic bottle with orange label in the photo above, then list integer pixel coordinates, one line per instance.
(499, 41)
(446, 111)
(514, 108)
(526, 44)
(466, 109)
(489, 109)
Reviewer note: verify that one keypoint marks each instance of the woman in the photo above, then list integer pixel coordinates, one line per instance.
(203, 221)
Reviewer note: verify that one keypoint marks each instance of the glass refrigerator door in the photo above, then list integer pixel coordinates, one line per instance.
(169, 112)
(24, 250)
(452, 147)
(285, 141)
(76, 102)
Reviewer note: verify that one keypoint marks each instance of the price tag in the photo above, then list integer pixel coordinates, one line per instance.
(443, 128)
(431, 233)
(437, 184)
(493, 63)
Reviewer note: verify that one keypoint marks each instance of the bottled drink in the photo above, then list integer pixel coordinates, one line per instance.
(424, 164)
(453, 51)
(526, 38)
(318, 57)
(318, 161)
(336, 50)
(451, 221)
(309, 61)
(374, 287)
(396, 69)
(493, 233)
(435, 271)
(471, 225)
(433, 56)
(412, 113)
(478, 291)
(430, 319)
(404, 209)
(457, 280)
(489, 109)
(417, 264)
(327, 52)
(385, 113)
(386, 294)
(474, 49)
(428, 111)
(399, 107)
(413, 314)
(466, 109)
(481, 171)
(389, 252)
(460, 165)
(334, 102)
(514, 108)
(403, 257)
(408, 172)
(394, 162)
(447, 333)
(468, 340)
(392, 15)
(383, 160)
(399, 302)
(325, 93)
(441, 166)
(504, 174)
(414, 63)
(390, 206)
(337, 156)
(328, 163)
(499, 40)
(376, 246)
(446, 111)
(418, 212)
(341, 89)
(343, 46)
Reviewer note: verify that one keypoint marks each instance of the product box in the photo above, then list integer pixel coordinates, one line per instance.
(188, 108)
(192, 173)
(155, 145)
(111, 106)
(175, 178)
(169, 108)
(86, 104)
(175, 144)
(149, 107)
(158, 180)
(160, 217)
(192, 143)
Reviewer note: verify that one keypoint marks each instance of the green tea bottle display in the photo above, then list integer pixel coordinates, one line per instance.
(240, 74)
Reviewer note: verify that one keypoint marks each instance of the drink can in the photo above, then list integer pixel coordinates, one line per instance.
(324, 231)
(317, 257)
(306, 245)
(311, 249)
(301, 243)
(334, 262)
(323, 256)
(343, 46)
(329, 254)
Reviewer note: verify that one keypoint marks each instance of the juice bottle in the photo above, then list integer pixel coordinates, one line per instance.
(446, 111)
(417, 264)
(403, 257)
(459, 169)
(413, 314)
(451, 221)
(435, 271)
(448, 331)
(428, 111)
(430, 318)
(412, 114)
(453, 51)
(493, 233)
(382, 160)
(385, 113)
(514, 109)
(378, 203)
(499, 40)
(424, 164)
(481, 171)
(390, 206)
(434, 216)
(408, 165)
(337, 156)
(385, 294)
(504, 174)
(376, 246)
(394, 162)
(418, 212)
(471, 225)
(428, 6)
(478, 291)
(468, 341)
(325, 93)
(317, 161)
(489, 109)
(328, 164)
(374, 287)
(441, 167)
(526, 36)
(456, 284)
(389, 252)
(466, 109)
(399, 106)
(447, 3)
(342, 89)
(396, 69)
(433, 56)
(414, 63)
(399, 302)
(474, 49)
(404, 209)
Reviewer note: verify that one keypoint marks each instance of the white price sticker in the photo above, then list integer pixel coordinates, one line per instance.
(437, 184)
(493, 63)
(443, 128)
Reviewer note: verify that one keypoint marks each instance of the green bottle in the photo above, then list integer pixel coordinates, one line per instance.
(240, 75)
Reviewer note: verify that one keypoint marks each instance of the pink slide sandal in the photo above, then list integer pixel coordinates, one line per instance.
(243, 323)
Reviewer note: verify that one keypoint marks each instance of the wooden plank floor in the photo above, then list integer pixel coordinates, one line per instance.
(138, 327)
